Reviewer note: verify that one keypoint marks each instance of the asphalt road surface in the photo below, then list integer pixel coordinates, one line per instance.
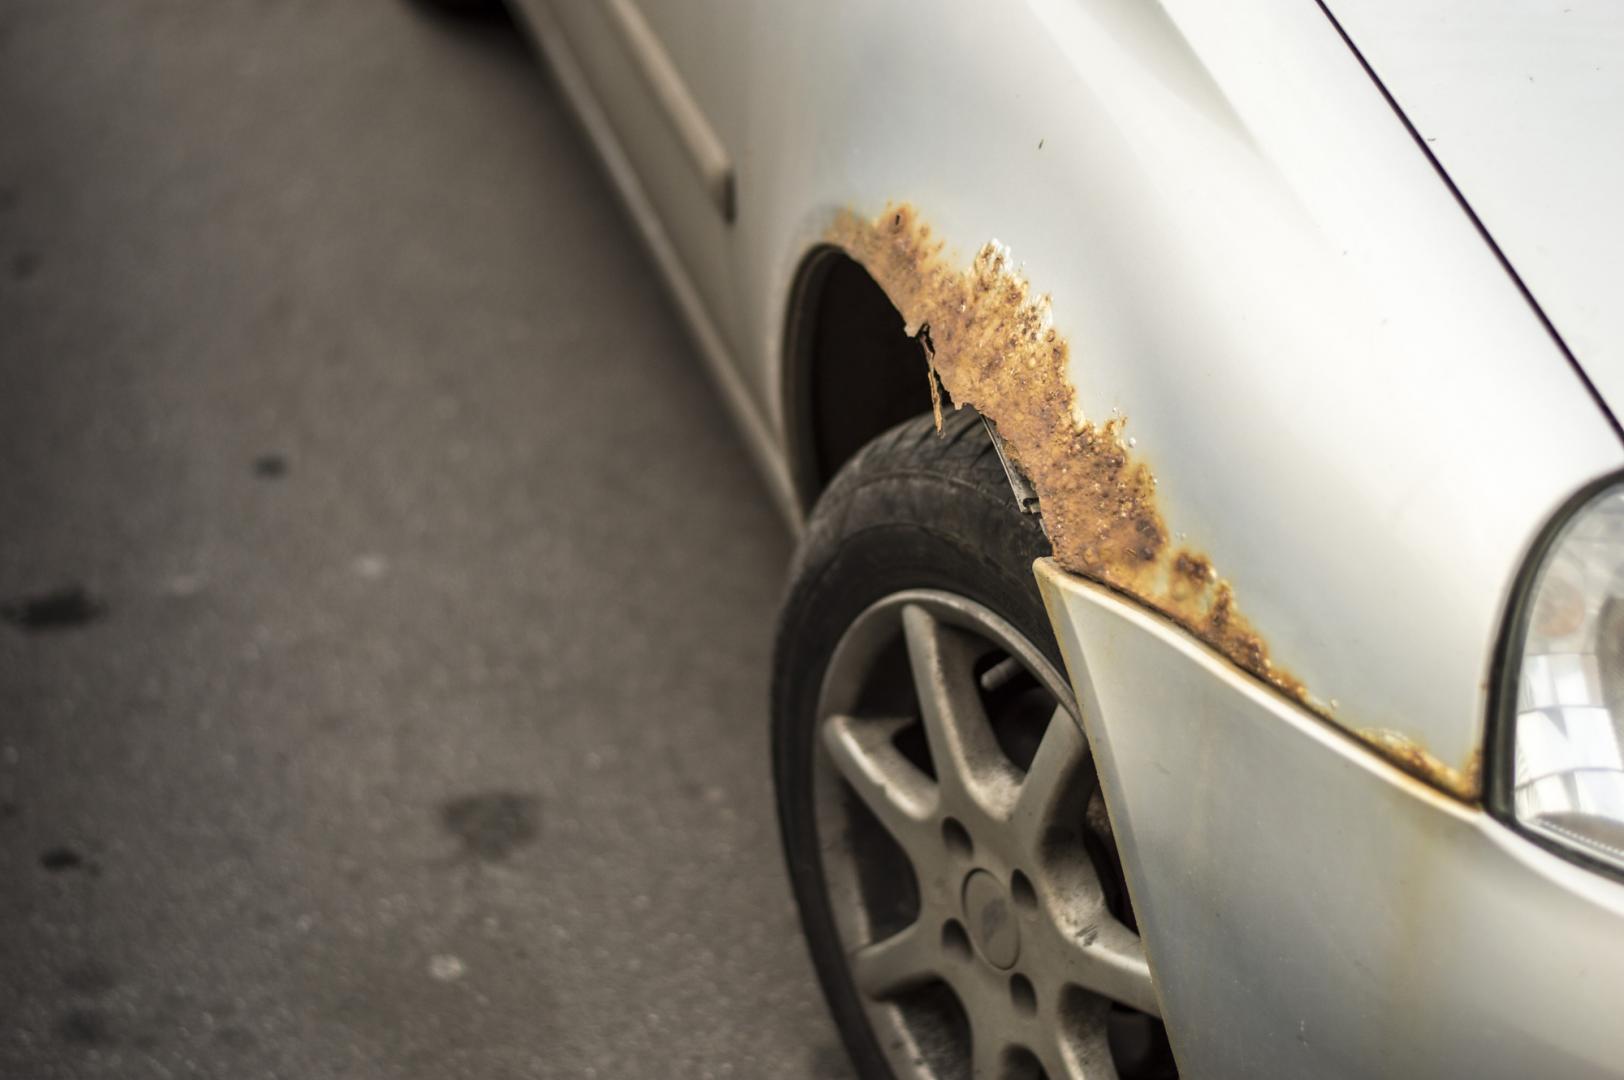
(387, 599)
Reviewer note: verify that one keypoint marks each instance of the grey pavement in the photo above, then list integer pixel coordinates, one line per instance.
(387, 600)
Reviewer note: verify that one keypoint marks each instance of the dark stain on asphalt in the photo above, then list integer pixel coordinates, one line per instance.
(235, 1038)
(90, 979)
(85, 1027)
(271, 466)
(491, 825)
(59, 609)
(25, 264)
(58, 859)
(9, 810)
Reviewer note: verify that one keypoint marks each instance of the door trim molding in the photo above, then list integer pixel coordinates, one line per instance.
(704, 147)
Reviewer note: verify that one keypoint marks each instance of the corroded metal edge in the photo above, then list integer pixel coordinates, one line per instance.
(990, 340)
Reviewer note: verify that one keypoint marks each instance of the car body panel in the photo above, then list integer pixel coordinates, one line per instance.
(1310, 911)
(1348, 404)
(743, 401)
(1345, 400)
(614, 67)
(1523, 104)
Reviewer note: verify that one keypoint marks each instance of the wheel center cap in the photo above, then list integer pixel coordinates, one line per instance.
(991, 919)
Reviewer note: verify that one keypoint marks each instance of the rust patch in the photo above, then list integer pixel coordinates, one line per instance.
(990, 340)
(1415, 759)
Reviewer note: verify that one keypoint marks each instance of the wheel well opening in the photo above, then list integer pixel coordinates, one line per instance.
(853, 373)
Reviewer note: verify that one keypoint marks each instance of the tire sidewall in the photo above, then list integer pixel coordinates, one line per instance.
(897, 528)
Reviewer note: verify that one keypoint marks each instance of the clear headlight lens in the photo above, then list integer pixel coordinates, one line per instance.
(1567, 782)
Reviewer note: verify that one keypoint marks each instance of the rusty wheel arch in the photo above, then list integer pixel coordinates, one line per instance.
(985, 336)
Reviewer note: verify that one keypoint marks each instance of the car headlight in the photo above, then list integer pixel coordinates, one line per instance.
(1560, 772)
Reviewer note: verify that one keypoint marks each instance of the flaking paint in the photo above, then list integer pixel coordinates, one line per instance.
(1417, 760)
(990, 340)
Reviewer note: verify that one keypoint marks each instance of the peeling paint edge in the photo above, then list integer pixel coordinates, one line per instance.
(1399, 749)
(907, 263)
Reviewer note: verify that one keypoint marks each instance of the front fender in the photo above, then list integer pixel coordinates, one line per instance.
(1310, 910)
(1346, 406)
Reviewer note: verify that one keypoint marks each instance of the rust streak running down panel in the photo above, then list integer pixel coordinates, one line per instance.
(991, 342)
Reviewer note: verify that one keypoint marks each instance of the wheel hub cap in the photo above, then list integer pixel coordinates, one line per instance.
(1010, 913)
(993, 929)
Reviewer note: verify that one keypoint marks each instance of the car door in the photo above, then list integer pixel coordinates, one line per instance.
(667, 75)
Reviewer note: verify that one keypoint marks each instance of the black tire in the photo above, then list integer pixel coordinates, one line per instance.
(465, 9)
(913, 509)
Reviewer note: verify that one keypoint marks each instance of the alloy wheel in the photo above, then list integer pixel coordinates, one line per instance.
(968, 855)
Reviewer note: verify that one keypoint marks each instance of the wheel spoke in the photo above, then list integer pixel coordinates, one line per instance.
(962, 747)
(1058, 785)
(1059, 1065)
(988, 1053)
(891, 786)
(985, 839)
(1079, 1047)
(900, 962)
(1109, 959)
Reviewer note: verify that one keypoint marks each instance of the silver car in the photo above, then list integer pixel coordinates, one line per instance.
(1205, 644)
